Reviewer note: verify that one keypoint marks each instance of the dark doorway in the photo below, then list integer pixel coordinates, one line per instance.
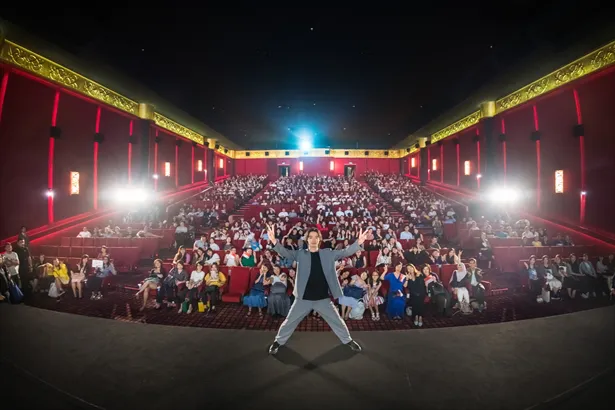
(349, 171)
(284, 170)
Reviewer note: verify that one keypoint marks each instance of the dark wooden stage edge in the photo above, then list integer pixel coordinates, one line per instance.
(116, 365)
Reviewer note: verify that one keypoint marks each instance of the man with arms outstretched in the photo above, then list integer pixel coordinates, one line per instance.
(315, 279)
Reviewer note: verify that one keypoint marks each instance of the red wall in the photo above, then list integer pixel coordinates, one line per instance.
(199, 154)
(74, 152)
(185, 164)
(559, 150)
(316, 165)
(166, 153)
(24, 132)
(112, 154)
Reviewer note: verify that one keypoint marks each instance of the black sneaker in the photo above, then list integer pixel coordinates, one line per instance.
(273, 349)
(354, 346)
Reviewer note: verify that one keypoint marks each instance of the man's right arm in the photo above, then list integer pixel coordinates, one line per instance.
(285, 253)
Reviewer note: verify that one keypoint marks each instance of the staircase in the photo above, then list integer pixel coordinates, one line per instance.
(392, 211)
(239, 212)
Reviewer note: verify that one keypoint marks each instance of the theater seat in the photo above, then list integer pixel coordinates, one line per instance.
(239, 281)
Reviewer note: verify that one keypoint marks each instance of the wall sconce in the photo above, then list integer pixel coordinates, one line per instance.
(559, 181)
(50, 193)
(199, 165)
(300, 165)
(413, 162)
(467, 168)
(434, 164)
(74, 183)
(221, 163)
(331, 165)
(167, 169)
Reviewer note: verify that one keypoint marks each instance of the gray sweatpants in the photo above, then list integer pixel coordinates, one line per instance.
(301, 308)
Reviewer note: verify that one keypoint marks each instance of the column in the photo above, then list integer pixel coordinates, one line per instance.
(98, 139)
(141, 136)
(579, 132)
(178, 143)
(193, 165)
(54, 133)
(423, 164)
(536, 138)
(502, 139)
(489, 170)
(211, 170)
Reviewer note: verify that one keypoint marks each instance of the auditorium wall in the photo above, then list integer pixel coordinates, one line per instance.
(316, 165)
(554, 116)
(25, 126)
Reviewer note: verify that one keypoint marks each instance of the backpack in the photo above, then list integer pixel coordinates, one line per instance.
(356, 312)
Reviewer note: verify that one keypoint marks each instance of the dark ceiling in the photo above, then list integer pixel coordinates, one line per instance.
(263, 77)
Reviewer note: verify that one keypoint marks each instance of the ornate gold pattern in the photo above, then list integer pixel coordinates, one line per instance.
(588, 64)
(457, 126)
(21, 57)
(170, 125)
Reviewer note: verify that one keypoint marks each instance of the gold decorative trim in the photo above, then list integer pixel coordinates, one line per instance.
(146, 111)
(320, 152)
(597, 60)
(170, 125)
(457, 126)
(21, 57)
(488, 109)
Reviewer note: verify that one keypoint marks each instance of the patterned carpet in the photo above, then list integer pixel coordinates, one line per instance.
(122, 305)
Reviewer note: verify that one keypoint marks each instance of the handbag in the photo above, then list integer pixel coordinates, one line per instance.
(185, 305)
(15, 294)
(354, 292)
(201, 306)
(53, 291)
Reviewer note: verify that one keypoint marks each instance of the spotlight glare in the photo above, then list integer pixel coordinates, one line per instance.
(305, 145)
(504, 195)
(155, 176)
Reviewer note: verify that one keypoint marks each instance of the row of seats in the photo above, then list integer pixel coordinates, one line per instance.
(122, 257)
(508, 257)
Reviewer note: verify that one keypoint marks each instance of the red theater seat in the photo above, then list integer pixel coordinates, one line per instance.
(64, 251)
(65, 241)
(76, 251)
(238, 285)
(76, 242)
(49, 250)
(89, 241)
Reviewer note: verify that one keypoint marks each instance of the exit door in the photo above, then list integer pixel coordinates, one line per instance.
(349, 171)
(283, 170)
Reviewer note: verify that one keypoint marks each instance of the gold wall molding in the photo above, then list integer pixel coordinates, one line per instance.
(21, 57)
(176, 128)
(458, 126)
(597, 60)
(320, 152)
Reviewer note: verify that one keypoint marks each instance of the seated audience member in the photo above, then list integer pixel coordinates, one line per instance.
(486, 252)
(78, 276)
(214, 281)
(354, 289)
(478, 289)
(395, 297)
(551, 276)
(231, 258)
(103, 253)
(570, 281)
(594, 283)
(359, 261)
(152, 282)
(384, 257)
(247, 258)
(433, 244)
(181, 256)
(198, 256)
(211, 258)
(372, 298)
(278, 301)
(200, 243)
(436, 291)
(417, 290)
(228, 245)
(60, 273)
(450, 256)
(11, 264)
(38, 274)
(192, 286)
(256, 297)
(175, 284)
(95, 281)
(85, 233)
(535, 282)
(459, 282)
(213, 245)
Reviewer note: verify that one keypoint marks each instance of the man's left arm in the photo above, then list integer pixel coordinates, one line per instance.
(346, 252)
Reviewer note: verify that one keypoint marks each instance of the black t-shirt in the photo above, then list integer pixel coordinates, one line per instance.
(317, 287)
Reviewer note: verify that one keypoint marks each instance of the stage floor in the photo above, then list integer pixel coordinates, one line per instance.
(116, 365)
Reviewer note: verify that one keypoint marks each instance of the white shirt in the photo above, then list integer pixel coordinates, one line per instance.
(214, 259)
(84, 234)
(406, 235)
(197, 276)
(214, 246)
(230, 260)
(12, 256)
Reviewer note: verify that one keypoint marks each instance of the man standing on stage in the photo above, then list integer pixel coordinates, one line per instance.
(314, 280)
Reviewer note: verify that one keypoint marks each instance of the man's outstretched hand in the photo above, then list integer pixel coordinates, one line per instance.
(271, 234)
(362, 236)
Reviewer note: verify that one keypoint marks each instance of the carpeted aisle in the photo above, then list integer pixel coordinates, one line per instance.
(118, 365)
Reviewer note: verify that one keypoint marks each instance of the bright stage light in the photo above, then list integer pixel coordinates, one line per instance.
(50, 193)
(129, 195)
(305, 145)
(155, 176)
(504, 195)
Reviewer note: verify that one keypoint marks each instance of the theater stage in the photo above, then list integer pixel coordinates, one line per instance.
(59, 360)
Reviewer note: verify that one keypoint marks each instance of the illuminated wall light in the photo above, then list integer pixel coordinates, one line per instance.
(467, 168)
(331, 165)
(167, 169)
(221, 163)
(300, 165)
(559, 181)
(434, 164)
(199, 165)
(413, 162)
(74, 183)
